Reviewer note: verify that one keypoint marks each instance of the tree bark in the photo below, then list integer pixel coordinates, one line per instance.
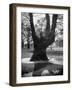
(40, 44)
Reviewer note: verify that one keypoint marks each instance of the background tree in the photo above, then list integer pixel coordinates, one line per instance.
(59, 31)
(46, 38)
(25, 30)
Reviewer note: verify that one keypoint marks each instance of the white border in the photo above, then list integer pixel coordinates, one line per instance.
(20, 79)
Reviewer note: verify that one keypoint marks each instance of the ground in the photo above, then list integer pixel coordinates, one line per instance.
(52, 67)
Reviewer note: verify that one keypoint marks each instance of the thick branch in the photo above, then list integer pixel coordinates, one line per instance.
(54, 19)
(47, 23)
(50, 33)
(35, 38)
(32, 26)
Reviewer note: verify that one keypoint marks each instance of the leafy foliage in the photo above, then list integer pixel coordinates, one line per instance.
(40, 25)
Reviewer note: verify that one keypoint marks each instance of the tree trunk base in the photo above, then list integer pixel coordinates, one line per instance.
(39, 55)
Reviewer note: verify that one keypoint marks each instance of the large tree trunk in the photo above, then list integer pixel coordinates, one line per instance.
(40, 44)
(39, 53)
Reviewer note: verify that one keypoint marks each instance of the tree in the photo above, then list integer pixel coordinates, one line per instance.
(42, 42)
(25, 30)
(58, 33)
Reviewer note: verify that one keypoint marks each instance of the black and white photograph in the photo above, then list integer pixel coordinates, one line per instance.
(41, 44)
(40, 53)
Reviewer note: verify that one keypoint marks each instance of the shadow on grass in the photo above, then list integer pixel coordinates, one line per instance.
(37, 69)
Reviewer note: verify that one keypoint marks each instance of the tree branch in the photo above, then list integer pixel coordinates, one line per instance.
(48, 23)
(54, 19)
(32, 26)
(34, 37)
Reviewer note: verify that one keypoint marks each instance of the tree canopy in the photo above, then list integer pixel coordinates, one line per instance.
(40, 26)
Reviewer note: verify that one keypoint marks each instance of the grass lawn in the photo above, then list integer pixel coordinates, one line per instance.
(28, 68)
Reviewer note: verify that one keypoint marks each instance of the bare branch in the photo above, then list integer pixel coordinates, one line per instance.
(32, 25)
(34, 37)
(54, 19)
(48, 23)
